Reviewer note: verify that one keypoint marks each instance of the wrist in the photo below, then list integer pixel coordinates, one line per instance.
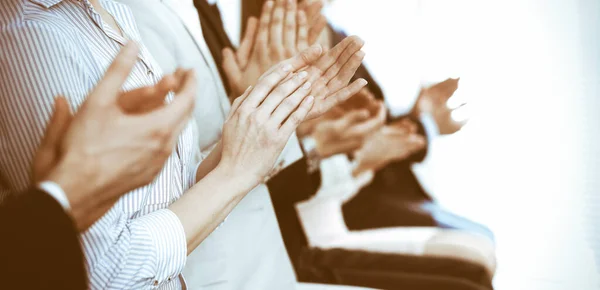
(77, 182)
(247, 179)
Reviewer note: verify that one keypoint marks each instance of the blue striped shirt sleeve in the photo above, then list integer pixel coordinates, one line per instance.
(37, 63)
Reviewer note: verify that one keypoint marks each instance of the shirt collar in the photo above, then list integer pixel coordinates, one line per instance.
(46, 3)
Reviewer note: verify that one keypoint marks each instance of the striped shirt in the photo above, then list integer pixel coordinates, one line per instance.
(63, 47)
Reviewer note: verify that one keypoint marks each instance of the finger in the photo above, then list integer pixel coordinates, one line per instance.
(231, 67)
(110, 85)
(350, 145)
(297, 116)
(345, 74)
(245, 49)
(301, 60)
(365, 128)
(261, 46)
(381, 112)
(302, 37)
(313, 11)
(48, 153)
(238, 101)
(289, 29)
(58, 125)
(283, 90)
(415, 142)
(279, 72)
(353, 117)
(287, 105)
(333, 55)
(175, 115)
(346, 64)
(332, 100)
(276, 31)
(316, 29)
(148, 98)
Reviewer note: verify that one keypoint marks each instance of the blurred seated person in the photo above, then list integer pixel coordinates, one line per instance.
(340, 181)
(216, 39)
(41, 249)
(322, 251)
(395, 197)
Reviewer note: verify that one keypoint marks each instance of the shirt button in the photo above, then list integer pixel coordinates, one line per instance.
(169, 279)
(155, 282)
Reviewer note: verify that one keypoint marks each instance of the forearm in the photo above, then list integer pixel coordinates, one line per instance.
(207, 204)
(210, 162)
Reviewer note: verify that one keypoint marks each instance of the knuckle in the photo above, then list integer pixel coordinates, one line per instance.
(255, 117)
(336, 83)
(288, 104)
(290, 26)
(244, 112)
(295, 119)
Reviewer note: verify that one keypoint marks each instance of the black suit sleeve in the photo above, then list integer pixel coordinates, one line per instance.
(39, 244)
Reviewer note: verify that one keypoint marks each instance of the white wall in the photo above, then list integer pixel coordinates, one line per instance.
(530, 70)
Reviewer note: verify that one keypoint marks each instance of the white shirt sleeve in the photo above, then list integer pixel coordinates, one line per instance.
(56, 192)
(430, 127)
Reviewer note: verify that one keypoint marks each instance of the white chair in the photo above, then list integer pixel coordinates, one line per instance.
(323, 223)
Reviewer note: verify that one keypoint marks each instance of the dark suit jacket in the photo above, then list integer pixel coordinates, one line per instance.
(214, 34)
(359, 268)
(39, 245)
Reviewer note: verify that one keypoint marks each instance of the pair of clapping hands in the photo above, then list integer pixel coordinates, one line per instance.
(283, 30)
(119, 141)
(358, 126)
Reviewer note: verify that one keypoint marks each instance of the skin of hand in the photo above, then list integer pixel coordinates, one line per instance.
(260, 123)
(434, 100)
(257, 129)
(362, 100)
(391, 143)
(117, 141)
(348, 132)
(434, 95)
(281, 33)
(329, 75)
(315, 19)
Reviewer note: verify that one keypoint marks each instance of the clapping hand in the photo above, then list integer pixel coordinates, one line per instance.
(116, 142)
(394, 142)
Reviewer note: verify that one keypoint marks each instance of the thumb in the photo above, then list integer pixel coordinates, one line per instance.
(59, 123)
(48, 153)
(230, 65)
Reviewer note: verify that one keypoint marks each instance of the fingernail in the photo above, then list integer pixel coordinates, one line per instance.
(317, 48)
(363, 82)
(302, 74)
(306, 86)
(310, 99)
(269, 4)
(287, 68)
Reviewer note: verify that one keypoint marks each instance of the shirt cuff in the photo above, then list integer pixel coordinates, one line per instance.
(168, 236)
(56, 192)
(430, 126)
